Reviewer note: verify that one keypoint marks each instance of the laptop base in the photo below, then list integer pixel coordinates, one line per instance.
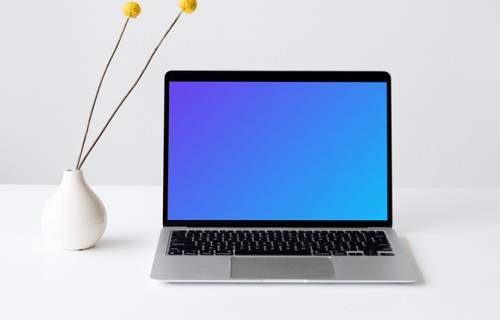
(280, 269)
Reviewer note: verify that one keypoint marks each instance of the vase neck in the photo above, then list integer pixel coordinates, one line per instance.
(73, 176)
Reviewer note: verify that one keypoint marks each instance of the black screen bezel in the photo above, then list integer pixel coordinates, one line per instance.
(279, 76)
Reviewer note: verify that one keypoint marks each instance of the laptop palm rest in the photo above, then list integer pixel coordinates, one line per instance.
(281, 268)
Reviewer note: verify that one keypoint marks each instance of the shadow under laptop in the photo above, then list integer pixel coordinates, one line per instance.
(167, 284)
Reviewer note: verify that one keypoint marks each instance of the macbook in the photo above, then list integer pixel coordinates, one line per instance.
(273, 176)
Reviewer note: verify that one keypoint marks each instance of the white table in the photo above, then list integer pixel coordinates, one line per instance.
(451, 235)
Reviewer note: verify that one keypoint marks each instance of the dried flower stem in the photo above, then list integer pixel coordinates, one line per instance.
(128, 93)
(97, 92)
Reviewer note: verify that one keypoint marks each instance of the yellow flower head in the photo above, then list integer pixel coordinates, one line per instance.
(187, 5)
(131, 9)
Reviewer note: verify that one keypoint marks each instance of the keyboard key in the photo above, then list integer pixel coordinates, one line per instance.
(224, 252)
(321, 253)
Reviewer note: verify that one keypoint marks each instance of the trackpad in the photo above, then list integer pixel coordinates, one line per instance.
(281, 268)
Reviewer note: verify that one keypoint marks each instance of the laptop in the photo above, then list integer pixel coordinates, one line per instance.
(274, 176)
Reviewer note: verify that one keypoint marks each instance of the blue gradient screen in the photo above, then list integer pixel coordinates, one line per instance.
(277, 151)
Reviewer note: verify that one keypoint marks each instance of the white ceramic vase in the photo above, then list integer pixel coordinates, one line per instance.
(74, 218)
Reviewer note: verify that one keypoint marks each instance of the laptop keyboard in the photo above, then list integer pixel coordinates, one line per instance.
(279, 242)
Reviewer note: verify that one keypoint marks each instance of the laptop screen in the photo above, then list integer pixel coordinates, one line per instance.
(272, 150)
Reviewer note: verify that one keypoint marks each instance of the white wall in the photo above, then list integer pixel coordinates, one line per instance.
(444, 57)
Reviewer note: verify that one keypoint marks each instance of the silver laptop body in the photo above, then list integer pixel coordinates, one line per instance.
(250, 174)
